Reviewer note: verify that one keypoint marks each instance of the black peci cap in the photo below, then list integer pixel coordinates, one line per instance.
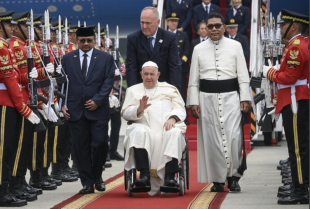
(85, 31)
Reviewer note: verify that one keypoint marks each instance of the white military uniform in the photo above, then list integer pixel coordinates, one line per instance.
(148, 130)
(219, 127)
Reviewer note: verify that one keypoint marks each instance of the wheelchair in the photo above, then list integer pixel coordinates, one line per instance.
(182, 178)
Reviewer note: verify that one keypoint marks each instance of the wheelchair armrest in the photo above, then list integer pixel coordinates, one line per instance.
(129, 122)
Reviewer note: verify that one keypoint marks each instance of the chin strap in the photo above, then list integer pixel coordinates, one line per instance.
(20, 28)
(5, 33)
(287, 30)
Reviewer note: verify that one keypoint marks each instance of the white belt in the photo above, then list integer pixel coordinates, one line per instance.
(293, 90)
(3, 87)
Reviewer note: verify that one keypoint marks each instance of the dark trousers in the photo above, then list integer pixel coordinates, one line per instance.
(183, 88)
(90, 141)
(8, 120)
(296, 129)
(22, 146)
(116, 123)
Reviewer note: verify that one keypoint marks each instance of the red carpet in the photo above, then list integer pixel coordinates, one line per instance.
(197, 195)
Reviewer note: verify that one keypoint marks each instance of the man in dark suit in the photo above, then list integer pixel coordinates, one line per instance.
(203, 35)
(91, 75)
(196, 2)
(232, 29)
(201, 12)
(184, 51)
(152, 43)
(184, 9)
(241, 15)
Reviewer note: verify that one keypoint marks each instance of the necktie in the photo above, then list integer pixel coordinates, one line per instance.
(84, 66)
(207, 12)
(150, 42)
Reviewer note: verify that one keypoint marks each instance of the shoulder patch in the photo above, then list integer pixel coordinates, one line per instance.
(296, 42)
(16, 44)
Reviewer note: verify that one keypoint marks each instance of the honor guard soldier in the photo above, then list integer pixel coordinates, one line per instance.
(292, 100)
(72, 37)
(102, 39)
(184, 51)
(13, 111)
(18, 44)
(54, 150)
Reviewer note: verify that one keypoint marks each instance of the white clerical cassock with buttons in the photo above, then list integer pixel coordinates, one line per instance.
(218, 72)
(148, 129)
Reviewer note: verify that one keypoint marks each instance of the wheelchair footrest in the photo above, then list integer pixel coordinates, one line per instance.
(170, 189)
(140, 189)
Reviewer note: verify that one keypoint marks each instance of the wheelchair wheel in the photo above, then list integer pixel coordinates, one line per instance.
(182, 186)
(187, 166)
(128, 183)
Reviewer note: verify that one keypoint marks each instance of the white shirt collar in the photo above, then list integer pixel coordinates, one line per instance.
(175, 31)
(216, 42)
(203, 38)
(89, 53)
(155, 34)
(204, 5)
(233, 36)
(294, 37)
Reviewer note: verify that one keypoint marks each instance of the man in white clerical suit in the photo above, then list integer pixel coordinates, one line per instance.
(154, 141)
(218, 91)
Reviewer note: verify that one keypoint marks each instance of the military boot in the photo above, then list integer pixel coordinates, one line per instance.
(29, 189)
(7, 199)
(69, 171)
(57, 173)
(50, 179)
(37, 181)
(299, 195)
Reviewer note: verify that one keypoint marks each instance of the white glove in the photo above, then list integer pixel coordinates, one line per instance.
(117, 72)
(277, 66)
(33, 73)
(115, 101)
(43, 114)
(33, 118)
(111, 102)
(274, 116)
(266, 68)
(53, 116)
(58, 69)
(57, 110)
(49, 67)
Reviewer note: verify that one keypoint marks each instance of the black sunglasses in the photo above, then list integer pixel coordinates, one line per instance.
(217, 26)
(89, 40)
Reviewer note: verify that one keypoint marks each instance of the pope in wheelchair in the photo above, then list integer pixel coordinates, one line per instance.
(154, 140)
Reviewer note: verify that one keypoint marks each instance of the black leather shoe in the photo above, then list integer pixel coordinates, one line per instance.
(286, 179)
(87, 190)
(286, 175)
(42, 184)
(116, 156)
(29, 189)
(22, 195)
(170, 182)
(51, 180)
(143, 181)
(8, 200)
(108, 165)
(69, 171)
(217, 187)
(285, 193)
(63, 177)
(286, 171)
(285, 188)
(100, 185)
(234, 186)
(293, 200)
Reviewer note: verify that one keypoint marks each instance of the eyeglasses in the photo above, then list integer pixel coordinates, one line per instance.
(217, 26)
(110, 47)
(89, 40)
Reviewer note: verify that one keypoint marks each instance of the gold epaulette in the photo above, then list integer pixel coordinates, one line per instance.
(1, 44)
(296, 42)
(16, 44)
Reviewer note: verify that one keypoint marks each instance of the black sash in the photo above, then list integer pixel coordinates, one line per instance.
(219, 86)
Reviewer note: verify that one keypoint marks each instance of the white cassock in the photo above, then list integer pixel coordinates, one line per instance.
(219, 137)
(148, 131)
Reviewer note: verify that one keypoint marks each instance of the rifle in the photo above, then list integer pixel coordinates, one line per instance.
(33, 84)
(260, 82)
